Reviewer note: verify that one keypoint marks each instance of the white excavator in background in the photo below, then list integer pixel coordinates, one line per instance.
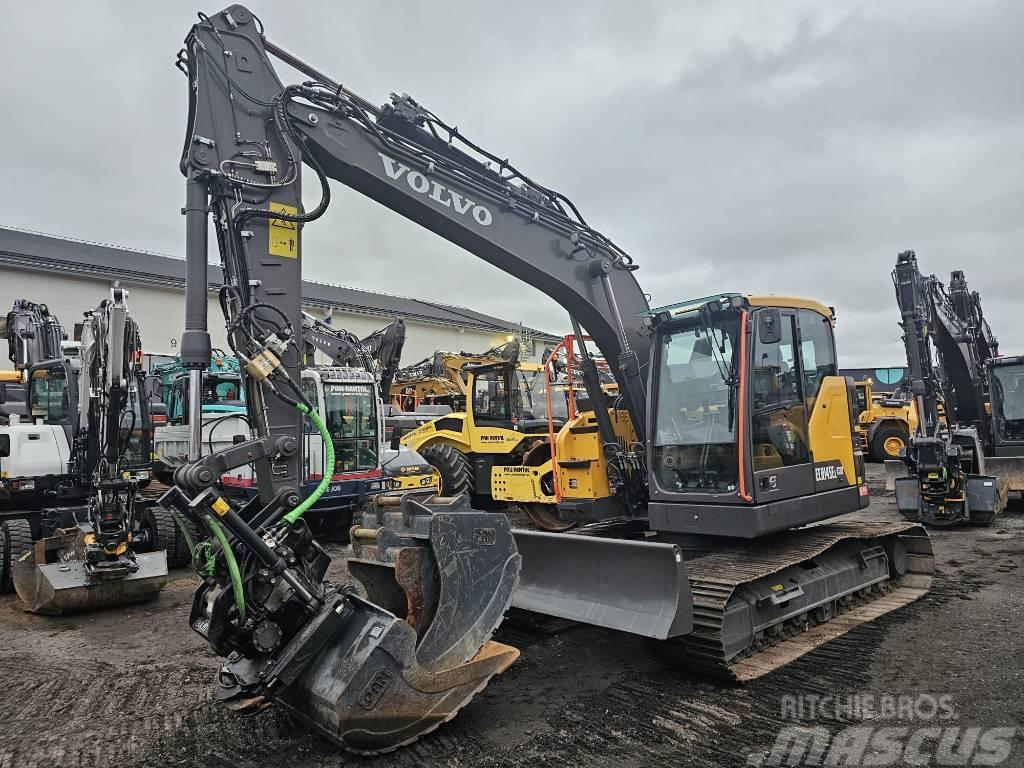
(77, 533)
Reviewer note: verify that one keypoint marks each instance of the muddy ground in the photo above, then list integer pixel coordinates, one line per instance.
(133, 687)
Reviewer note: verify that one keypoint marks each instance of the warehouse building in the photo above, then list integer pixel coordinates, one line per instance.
(73, 276)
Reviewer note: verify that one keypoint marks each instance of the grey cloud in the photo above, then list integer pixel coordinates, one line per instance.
(784, 147)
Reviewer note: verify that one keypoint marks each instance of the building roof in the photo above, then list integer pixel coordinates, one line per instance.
(46, 253)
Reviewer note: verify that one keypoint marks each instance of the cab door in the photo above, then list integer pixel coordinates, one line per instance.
(830, 422)
(780, 454)
(492, 402)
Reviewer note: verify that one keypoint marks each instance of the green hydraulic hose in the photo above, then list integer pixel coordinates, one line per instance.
(325, 480)
(229, 557)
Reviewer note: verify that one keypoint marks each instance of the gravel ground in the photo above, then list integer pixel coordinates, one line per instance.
(134, 687)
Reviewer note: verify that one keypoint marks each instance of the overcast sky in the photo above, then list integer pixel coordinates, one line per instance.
(781, 147)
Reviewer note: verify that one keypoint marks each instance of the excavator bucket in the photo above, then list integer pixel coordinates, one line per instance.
(52, 578)
(374, 674)
(369, 694)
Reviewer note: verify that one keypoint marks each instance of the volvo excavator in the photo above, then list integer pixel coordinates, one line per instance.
(967, 451)
(739, 431)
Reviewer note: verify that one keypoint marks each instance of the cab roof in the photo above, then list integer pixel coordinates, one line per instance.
(750, 299)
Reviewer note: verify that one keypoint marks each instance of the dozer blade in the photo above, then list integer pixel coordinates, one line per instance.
(1009, 469)
(632, 586)
(67, 587)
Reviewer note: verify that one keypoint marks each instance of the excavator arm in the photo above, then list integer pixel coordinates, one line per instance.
(385, 349)
(370, 674)
(948, 344)
(379, 353)
(245, 124)
(342, 347)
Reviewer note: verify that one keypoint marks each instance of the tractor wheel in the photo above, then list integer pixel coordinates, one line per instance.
(15, 539)
(164, 534)
(888, 441)
(454, 467)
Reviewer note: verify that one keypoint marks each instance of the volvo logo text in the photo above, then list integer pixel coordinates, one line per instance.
(435, 191)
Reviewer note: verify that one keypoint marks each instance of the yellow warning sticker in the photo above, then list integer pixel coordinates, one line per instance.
(220, 506)
(284, 235)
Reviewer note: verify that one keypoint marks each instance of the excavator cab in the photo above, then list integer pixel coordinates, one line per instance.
(347, 400)
(1006, 392)
(752, 429)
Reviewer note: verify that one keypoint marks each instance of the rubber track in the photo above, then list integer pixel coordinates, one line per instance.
(714, 578)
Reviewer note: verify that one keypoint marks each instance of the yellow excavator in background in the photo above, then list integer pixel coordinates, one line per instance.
(441, 379)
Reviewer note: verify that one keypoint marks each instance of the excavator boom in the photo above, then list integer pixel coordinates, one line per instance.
(370, 675)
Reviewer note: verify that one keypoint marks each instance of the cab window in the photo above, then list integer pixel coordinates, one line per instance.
(862, 398)
(48, 398)
(490, 396)
(778, 414)
(817, 353)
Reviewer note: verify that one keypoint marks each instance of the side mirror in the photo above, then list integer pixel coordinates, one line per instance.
(5, 446)
(396, 438)
(769, 327)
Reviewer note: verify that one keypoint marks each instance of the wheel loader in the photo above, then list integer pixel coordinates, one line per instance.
(697, 519)
(884, 422)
